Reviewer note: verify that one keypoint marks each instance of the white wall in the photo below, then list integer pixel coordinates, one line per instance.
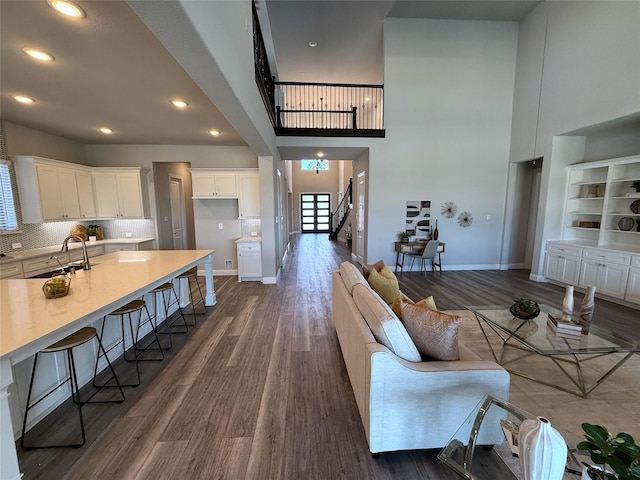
(589, 76)
(448, 104)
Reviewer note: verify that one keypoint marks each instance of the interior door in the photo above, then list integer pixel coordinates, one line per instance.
(177, 212)
(360, 214)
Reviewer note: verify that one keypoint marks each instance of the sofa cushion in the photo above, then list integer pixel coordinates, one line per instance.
(428, 302)
(351, 276)
(435, 334)
(384, 325)
(367, 269)
(384, 284)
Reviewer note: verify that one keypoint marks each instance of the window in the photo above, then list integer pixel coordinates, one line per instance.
(8, 220)
(315, 212)
(315, 165)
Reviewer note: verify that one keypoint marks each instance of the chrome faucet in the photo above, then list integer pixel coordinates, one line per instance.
(86, 265)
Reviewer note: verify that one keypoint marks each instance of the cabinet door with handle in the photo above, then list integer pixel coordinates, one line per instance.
(106, 195)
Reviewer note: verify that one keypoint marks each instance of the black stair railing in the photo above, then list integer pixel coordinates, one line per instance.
(341, 213)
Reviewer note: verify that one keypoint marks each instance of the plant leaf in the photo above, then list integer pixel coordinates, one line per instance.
(596, 431)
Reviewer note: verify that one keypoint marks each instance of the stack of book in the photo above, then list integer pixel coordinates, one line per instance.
(563, 327)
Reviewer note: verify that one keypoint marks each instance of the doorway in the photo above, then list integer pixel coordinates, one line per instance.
(315, 211)
(176, 199)
(360, 215)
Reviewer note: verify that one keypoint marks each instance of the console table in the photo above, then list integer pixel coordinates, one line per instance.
(414, 248)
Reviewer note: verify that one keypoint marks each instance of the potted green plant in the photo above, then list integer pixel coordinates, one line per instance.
(404, 237)
(92, 232)
(615, 457)
(525, 309)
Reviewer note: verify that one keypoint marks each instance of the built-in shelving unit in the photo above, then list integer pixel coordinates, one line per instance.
(599, 202)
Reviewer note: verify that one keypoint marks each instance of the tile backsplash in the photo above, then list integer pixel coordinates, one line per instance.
(251, 225)
(36, 235)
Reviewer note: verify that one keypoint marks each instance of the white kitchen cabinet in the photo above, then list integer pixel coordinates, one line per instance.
(44, 263)
(86, 194)
(128, 246)
(11, 269)
(207, 184)
(249, 261)
(121, 193)
(48, 189)
(249, 196)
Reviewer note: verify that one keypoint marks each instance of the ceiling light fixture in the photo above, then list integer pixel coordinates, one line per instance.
(313, 43)
(106, 130)
(215, 133)
(318, 163)
(23, 99)
(38, 54)
(67, 8)
(179, 103)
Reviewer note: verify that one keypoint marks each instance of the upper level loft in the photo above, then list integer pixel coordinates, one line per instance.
(317, 109)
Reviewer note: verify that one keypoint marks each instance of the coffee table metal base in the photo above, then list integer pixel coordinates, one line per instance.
(575, 360)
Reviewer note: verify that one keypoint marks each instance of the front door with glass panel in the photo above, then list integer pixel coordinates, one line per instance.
(316, 212)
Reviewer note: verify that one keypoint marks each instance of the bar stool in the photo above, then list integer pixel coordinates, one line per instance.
(127, 310)
(67, 345)
(165, 290)
(189, 274)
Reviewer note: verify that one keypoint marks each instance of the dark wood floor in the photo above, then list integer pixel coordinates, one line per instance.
(258, 389)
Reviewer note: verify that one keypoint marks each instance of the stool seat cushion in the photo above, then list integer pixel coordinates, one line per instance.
(132, 306)
(77, 338)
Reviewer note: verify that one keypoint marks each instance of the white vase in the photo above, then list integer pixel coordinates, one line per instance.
(567, 304)
(586, 307)
(542, 450)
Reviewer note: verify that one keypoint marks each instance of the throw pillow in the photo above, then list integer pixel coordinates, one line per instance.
(384, 284)
(385, 326)
(428, 302)
(435, 334)
(367, 269)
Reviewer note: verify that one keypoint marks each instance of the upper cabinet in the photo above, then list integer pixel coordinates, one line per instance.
(212, 184)
(121, 192)
(222, 183)
(249, 195)
(51, 190)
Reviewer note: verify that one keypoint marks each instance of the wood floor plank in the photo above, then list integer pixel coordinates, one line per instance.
(163, 463)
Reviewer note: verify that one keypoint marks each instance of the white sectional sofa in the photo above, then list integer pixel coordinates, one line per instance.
(404, 405)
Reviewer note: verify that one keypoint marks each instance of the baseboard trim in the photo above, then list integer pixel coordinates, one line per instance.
(269, 280)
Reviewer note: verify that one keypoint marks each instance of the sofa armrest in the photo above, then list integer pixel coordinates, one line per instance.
(422, 404)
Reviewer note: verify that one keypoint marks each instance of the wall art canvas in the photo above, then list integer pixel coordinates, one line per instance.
(418, 218)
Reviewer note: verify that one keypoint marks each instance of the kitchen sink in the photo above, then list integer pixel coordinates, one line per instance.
(58, 271)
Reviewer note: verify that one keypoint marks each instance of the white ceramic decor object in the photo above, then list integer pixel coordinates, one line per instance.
(542, 450)
(567, 304)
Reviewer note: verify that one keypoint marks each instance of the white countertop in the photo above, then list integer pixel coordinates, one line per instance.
(27, 317)
(249, 240)
(36, 252)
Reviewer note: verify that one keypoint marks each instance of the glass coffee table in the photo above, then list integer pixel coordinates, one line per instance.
(485, 445)
(535, 337)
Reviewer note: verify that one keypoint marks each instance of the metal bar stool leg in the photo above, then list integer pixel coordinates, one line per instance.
(153, 321)
(66, 345)
(170, 328)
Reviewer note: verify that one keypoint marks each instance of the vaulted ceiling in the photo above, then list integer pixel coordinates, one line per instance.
(110, 70)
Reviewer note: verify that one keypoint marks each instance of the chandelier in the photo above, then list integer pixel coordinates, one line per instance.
(318, 164)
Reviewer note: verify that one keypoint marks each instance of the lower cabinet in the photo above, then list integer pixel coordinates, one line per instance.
(615, 273)
(249, 261)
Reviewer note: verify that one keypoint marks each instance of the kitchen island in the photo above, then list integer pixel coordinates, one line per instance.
(29, 322)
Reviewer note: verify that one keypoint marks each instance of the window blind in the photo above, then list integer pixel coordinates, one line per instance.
(8, 220)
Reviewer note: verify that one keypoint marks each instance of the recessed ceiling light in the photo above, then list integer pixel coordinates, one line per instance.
(38, 54)
(67, 8)
(367, 99)
(320, 154)
(105, 130)
(179, 103)
(215, 133)
(23, 99)
(313, 43)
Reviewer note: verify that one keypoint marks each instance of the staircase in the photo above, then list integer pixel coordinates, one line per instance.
(341, 213)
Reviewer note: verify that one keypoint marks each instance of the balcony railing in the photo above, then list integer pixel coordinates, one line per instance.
(320, 109)
(328, 106)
